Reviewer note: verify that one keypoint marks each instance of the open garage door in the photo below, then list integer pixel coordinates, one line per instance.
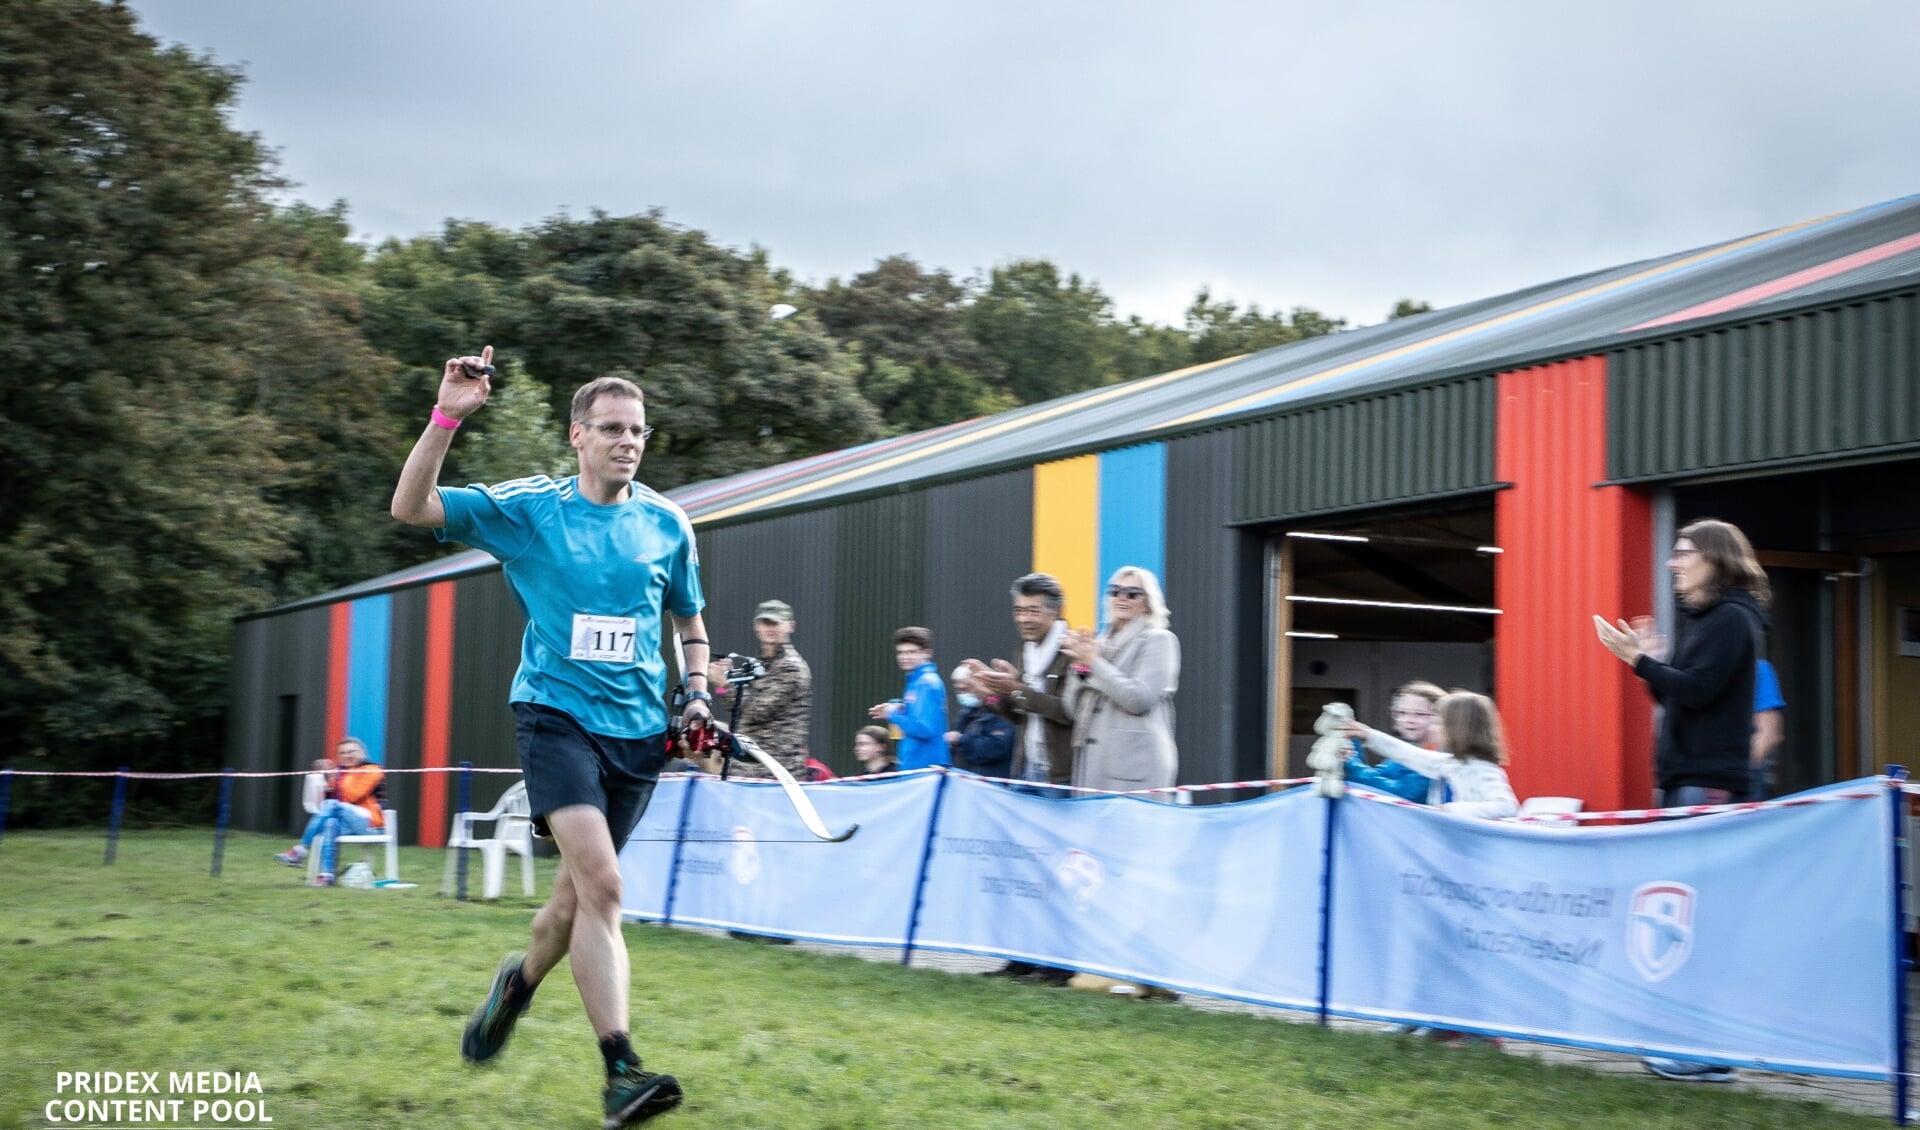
(1364, 604)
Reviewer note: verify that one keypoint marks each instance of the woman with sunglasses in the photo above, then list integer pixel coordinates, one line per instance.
(1120, 690)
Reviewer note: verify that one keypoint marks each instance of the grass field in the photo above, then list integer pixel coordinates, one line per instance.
(349, 1004)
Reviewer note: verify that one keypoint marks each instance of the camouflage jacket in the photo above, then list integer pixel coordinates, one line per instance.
(776, 712)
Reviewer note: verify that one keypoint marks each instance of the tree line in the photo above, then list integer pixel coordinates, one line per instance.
(208, 389)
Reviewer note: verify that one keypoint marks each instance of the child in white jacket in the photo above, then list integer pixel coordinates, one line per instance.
(1471, 748)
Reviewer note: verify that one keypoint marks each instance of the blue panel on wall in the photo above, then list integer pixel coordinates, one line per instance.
(1133, 511)
(367, 663)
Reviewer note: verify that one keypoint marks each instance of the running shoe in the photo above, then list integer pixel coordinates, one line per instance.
(493, 1021)
(633, 1096)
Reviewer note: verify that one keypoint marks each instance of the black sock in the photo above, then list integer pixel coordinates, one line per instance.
(517, 987)
(618, 1053)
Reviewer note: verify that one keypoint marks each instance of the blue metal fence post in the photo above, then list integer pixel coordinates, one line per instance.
(1896, 777)
(466, 806)
(673, 858)
(220, 820)
(6, 792)
(113, 819)
(1326, 907)
(926, 864)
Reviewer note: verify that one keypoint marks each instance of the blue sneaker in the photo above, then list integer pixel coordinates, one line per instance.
(1690, 1071)
(633, 1096)
(492, 1022)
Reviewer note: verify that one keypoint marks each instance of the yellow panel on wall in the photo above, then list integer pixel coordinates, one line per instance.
(1066, 531)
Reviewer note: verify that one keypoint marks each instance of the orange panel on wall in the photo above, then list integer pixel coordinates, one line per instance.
(1578, 722)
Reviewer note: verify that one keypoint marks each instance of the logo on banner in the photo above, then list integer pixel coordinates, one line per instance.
(744, 863)
(1660, 928)
(1080, 875)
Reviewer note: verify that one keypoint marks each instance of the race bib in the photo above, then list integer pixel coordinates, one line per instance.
(603, 639)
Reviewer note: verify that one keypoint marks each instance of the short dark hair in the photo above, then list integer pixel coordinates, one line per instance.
(1043, 585)
(918, 637)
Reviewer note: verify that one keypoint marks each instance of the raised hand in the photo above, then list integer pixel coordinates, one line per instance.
(465, 384)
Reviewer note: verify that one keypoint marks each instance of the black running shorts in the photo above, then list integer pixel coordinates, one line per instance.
(563, 764)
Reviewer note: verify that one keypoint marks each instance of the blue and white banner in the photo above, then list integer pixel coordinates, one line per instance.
(1759, 938)
(1754, 937)
(748, 862)
(1218, 899)
(646, 862)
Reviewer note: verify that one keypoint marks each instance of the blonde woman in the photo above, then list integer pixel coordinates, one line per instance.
(1120, 690)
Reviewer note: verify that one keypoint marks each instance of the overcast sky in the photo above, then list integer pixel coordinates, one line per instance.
(1333, 155)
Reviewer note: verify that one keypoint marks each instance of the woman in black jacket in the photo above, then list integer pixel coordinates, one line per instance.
(1706, 689)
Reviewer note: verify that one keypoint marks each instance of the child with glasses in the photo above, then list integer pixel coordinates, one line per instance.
(1414, 716)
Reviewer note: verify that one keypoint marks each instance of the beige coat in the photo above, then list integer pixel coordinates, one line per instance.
(1123, 711)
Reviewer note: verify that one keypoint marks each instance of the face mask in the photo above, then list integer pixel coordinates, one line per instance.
(968, 700)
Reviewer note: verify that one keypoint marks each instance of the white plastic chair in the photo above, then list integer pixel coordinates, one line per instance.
(314, 793)
(512, 820)
(1550, 805)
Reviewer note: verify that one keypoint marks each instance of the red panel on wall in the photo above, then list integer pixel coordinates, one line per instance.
(339, 650)
(436, 714)
(1578, 722)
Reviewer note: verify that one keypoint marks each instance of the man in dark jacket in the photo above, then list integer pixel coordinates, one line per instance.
(1030, 696)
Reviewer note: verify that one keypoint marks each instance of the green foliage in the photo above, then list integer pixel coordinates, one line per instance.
(1221, 329)
(1047, 333)
(521, 436)
(1407, 308)
(140, 467)
(728, 388)
(917, 362)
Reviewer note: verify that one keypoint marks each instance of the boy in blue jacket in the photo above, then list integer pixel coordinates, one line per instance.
(920, 712)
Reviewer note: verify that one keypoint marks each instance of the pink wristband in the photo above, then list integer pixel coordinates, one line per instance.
(442, 420)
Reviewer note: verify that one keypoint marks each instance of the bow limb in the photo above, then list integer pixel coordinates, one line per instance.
(796, 795)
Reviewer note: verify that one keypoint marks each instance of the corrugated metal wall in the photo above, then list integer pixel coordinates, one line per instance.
(879, 584)
(1212, 583)
(1396, 447)
(1577, 720)
(979, 539)
(790, 559)
(276, 659)
(406, 668)
(486, 641)
(1841, 380)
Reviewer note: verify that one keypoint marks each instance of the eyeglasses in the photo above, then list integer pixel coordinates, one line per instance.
(1413, 714)
(1127, 591)
(615, 431)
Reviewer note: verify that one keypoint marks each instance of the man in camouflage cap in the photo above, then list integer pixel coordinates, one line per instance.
(779, 704)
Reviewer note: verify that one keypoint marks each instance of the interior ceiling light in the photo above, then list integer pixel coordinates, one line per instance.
(1325, 537)
(1489, 550)
(1313, 635)
(1473, 608)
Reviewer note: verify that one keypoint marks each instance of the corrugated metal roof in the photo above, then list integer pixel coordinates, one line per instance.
(1877, 242)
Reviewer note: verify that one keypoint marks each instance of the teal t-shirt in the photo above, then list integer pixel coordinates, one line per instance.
(593, 582)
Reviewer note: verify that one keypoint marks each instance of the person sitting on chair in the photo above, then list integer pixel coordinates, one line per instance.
(352, 808)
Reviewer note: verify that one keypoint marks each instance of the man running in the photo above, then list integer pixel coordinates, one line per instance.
(594, 560)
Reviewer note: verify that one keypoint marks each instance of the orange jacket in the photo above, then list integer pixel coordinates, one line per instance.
(361, 785)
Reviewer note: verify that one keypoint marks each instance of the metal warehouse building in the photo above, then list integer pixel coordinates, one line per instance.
(1448, 496)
